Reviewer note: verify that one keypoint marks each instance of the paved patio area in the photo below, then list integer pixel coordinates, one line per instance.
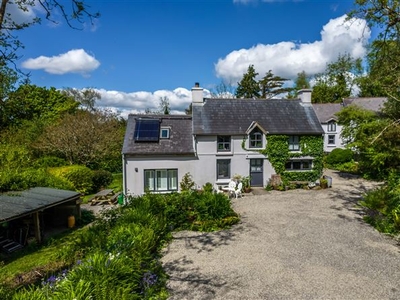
(298, 244)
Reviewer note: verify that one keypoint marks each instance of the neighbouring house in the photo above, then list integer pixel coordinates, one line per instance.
(326, 113)
(223, 138)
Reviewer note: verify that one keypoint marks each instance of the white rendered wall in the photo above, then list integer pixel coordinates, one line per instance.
(134, 180)
(206, 166)
(338, 140)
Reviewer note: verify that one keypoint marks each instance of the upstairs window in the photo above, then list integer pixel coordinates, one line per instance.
(255, 139)
(294, 143)
(332, 126)
(223, 143)
(147, 130)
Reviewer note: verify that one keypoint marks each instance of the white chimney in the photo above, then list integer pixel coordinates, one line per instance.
(305, 95)
(197, 94)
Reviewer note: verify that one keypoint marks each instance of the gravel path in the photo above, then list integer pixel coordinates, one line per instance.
(299, 244)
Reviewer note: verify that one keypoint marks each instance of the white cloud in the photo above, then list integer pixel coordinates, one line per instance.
(287, 59)
(20, 16)
(138, 102)
(74, 61)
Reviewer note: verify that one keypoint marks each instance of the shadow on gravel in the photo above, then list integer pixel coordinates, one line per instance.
(208, 241)
(182, 272)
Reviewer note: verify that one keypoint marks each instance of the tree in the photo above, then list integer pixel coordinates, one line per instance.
(164, 106)
(301, 82)
(248, 87)
(30, 102)
(76, 12)
(86, 138)
(223, 91)
(86, 97)
(271, 85)
(188, 110)
(338, 81)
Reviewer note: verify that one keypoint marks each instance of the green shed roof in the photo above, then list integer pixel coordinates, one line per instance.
(14, 205)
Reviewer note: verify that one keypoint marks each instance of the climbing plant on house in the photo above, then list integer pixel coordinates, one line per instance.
(277, 151)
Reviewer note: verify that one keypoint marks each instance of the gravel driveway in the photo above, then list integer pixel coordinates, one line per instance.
(299, 244)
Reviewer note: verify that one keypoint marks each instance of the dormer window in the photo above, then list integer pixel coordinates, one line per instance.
(256, 138)
(164, 132)
(331, 126)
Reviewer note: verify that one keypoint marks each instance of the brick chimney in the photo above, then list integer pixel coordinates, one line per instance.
(305, 95)
(197, 94)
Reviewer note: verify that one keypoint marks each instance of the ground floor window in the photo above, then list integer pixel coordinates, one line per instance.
(331, 139)
(223, 169)
(294, 165)
(161, 180)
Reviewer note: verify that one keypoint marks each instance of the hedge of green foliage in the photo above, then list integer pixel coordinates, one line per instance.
(80, 177)
(118, 256)
(339, 156)
(277, 151)
(18, 180)
(383, 205)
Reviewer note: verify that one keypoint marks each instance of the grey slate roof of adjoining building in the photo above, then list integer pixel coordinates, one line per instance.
(180, 140)
(371, 103)
(326, 111)
(17, 204)
(234, 116)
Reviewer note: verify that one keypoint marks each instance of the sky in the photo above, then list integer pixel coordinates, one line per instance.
(141, 50)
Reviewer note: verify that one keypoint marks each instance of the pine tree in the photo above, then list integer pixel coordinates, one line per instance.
(248, 87)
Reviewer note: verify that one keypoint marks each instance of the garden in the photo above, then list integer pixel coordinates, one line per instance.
(117, 256)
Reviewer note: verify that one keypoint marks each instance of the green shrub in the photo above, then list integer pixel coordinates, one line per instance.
(339, 156)
(187, 183)
(80, 177)
(49, 162)
(101, 179)
(208, 187)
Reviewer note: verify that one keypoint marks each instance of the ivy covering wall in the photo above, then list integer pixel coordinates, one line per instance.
(277, 152)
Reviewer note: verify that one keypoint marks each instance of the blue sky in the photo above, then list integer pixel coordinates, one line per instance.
(139, 51)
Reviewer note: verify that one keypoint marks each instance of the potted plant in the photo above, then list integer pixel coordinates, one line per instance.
(323, 183)
(246, 184)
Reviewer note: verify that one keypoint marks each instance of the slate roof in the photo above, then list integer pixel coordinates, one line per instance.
(326, 111)
(371, 103)
(180, 140)
(17, 204)
(234, 116)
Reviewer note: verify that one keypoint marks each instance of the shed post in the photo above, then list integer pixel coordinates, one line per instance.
(36, 224)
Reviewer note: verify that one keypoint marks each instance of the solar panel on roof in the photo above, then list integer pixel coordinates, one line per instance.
(147, 130)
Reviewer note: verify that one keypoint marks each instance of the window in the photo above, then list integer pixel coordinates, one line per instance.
(298, 165)
(331, 126)
(294, 143)
(164, 133)
(223, 143)
(256, 139)
(223, 169)
(331, 140)
(147, 130)
(161, 180)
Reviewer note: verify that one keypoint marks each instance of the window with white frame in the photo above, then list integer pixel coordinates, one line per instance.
(223, 143)
(298, 165)
(164, 133)
(294, 143)
(223, 169)
(256, 138)
(331, 126)
(331, 139)
(161, 180)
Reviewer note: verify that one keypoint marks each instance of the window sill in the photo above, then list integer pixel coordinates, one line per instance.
(228, 153)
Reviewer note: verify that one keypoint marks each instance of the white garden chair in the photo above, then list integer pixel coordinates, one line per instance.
(238, 191)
